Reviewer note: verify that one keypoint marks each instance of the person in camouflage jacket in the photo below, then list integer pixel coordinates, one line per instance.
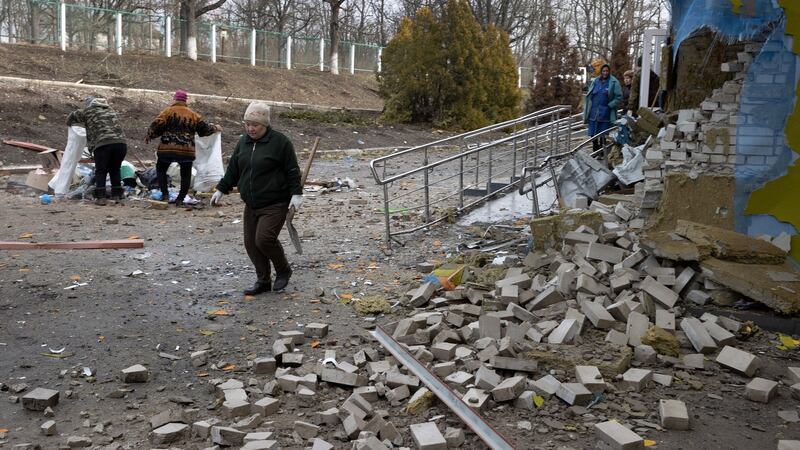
(106, 140)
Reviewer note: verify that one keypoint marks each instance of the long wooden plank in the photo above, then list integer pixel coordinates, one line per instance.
(80, 245)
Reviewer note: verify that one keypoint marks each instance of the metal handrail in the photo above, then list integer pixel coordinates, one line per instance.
(499, 126)
(466, 153)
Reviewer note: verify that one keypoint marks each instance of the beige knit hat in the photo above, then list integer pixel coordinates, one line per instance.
(257, 112)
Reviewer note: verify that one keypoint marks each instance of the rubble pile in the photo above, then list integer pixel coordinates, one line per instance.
(591, 336)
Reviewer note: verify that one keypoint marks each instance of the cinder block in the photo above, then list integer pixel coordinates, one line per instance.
(574, 394)
(565, 332)
(645, 354)
(267, 406)
(793, 375)
(698, 336)
(549, 296)
(660, 293)
(719, 334)
(264, 366)
(590, 377)
(619, 311)
(636, 379)
(615, 337)
(665, 320)
(589, 285)
(546, 386)
(698, 297)
(738, 360)
(636, 328)
(788, 445)
(618, 437)
(476, 398)
(508, 389)
(761, 390)
(422, 294)
(674, 415)
(316, 330)
(683, 279)
(598, 315)
(486, 378)
(39, 399)
(513, 364)
(489, 326)
(606, 253)
(444, 351)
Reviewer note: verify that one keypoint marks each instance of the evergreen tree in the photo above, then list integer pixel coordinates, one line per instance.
(555, 79)
(620, 56)
(449, 72)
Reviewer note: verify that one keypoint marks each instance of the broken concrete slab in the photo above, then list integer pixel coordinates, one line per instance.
(729, 245)
(753, 281)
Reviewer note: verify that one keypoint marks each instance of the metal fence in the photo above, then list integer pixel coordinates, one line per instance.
(98, 29)
(440, 180)
(91, 28)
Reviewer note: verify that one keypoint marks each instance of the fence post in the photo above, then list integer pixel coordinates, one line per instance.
(168, 50)
(253, 37)
(119, 34)
(288, 52)
(519, 77)
(322, 54)
(352, 59)
(213, 43)
(380, 63)
(63, 25)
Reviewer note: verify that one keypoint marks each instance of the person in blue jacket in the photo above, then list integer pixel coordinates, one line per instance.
(600, 105)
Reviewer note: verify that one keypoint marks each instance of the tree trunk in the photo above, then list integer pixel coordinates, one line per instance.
(191, 30)
(334, 53)
(35, 26)
(184, 37)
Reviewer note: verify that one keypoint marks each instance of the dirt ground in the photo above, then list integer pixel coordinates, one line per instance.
(35, 112)
(111, 309)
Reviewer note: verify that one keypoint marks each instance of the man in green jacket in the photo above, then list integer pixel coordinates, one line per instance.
(264, 167)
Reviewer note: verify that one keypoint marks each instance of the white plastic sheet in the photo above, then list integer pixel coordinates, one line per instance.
(630, 171)
(76, 142)
(208, 162)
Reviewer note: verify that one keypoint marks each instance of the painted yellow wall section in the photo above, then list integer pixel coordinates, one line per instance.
(737, 6)
(778, 198)
(792, 9)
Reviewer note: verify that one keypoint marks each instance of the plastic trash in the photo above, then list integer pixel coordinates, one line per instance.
(46, 199)
(155, 194)
(208, 162)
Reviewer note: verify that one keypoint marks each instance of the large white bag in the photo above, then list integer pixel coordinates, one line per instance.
(208, 162)
(76, 141)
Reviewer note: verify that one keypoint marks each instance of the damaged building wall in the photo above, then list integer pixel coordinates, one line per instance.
(744, 128)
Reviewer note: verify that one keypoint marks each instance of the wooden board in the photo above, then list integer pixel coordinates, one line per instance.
(80, 245)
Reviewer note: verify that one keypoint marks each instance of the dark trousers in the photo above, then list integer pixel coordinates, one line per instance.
(162, 164)
(261, 229)
(107, 162)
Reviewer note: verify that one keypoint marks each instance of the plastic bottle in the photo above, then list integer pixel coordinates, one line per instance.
(46, 199)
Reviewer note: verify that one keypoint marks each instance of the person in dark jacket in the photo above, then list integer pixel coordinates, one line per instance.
(264, 167)
(106, 141)
(176, 126)
(627, 81)
(601, 103)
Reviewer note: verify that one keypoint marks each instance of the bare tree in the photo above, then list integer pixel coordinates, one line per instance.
(336, 6)
(190, 10)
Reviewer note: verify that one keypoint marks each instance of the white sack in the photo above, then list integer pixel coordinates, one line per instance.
(76, 141)
(208, 162)
(630, 171)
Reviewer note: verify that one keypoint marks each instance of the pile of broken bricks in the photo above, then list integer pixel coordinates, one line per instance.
(595, 330)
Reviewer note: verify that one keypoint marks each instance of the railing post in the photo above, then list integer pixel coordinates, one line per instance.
(535, 194)
(489, 168)
(119, 33)
(213, 43)
(461, 183)
(514, 163)
(427, 188)
(322, 54)
(288, 52)
(253, 39)
(168, 40)
(386, 213)
(352, 59)
(63, 25)
(380, 63)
